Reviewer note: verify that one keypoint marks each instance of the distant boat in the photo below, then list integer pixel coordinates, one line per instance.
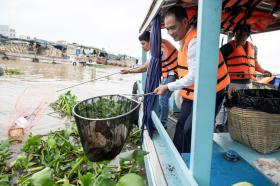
(101, 60)
(91, 63)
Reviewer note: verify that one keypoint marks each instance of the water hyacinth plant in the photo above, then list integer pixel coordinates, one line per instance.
(64, 104)
(58, 159)
(12, 71)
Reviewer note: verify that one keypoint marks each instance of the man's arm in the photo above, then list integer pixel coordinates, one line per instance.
(186, 80)
(261, 70)
(258, 67)
(140, 69)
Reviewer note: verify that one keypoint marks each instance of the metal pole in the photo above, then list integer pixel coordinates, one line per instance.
(92, 80)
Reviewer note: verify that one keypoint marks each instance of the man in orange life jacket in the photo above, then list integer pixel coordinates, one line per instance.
(169, 74)
(178, 26)
(241, 58)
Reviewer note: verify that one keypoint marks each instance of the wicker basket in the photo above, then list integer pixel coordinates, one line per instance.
(256, 129)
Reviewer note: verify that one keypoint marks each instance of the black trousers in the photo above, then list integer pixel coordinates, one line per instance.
(183, 132)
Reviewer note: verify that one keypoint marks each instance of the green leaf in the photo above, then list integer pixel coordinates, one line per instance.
(77, 164)
(106, 172)
(138, 155)
(20, 163)
(64, 104)
(86, 180)
(32, 144)
(4, 180)
(131, 179)
(51, 142)
(127, 156)
(100, 181)
(43, 178)
(66, 182)
(4, 154)
(4, 144)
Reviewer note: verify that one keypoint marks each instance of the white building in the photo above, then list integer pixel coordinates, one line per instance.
(24, 37)
(7, 31)
(61, 42)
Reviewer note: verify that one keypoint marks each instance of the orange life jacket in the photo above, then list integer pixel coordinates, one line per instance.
(223, 79)
(241, 60)
(258, 19)
(169, 63)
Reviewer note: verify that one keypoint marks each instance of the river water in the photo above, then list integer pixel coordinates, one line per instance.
(43, 79)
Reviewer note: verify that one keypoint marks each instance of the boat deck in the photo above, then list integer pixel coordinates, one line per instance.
(223, 172)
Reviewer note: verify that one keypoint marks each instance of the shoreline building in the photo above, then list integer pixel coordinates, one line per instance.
(7, 31)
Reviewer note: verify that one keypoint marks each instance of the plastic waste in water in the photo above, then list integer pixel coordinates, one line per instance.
(17, 131)
(21, 122)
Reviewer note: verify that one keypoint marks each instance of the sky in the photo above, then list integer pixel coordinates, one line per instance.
(109, 24)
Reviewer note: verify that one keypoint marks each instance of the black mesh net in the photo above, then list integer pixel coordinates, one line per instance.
(104, 123)
(258, 99)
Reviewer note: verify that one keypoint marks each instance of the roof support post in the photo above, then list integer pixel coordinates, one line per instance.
(209, 18)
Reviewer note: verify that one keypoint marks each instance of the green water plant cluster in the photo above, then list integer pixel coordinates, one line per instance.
(5, 174)
(103, 108)
(58, 159)
(64, 104)
(134, 137)
(12, 71)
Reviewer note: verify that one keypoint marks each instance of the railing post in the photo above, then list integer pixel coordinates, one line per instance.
(144, 75)
(209, 20)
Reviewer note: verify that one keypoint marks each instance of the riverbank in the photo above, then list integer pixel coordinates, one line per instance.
(19, 50)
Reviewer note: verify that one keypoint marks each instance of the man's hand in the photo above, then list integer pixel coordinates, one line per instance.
(267, 73)
(124, 71)
(161, 90)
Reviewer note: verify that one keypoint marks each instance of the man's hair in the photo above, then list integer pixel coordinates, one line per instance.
(178, 11)
(145, 36)
(244, 28)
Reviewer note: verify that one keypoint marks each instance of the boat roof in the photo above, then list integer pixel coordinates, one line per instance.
(261, 15)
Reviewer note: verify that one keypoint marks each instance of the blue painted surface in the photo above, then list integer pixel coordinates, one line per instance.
(276, 82)
(174, 168)
(226, 143)
(209, 20)
(78, 52)
(140, 90)
(144, 75)
(223, 172)
(226, 173)
(172, 173)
